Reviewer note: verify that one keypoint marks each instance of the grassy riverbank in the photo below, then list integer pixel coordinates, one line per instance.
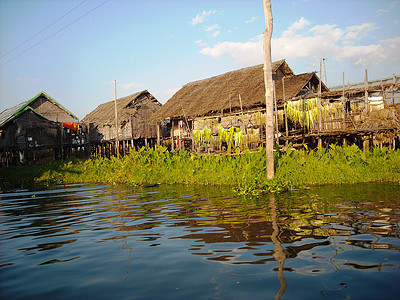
(245, 173)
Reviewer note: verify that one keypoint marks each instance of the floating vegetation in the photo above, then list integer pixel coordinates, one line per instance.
(245, 173)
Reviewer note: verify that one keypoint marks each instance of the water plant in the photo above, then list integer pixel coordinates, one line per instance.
(244, 171)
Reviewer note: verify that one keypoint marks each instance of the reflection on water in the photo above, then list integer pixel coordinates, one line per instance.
(179, 242)
(279, 252)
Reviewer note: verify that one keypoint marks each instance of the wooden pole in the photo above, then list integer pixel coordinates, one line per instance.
(116, 119)
(394, 82)
(343, 108)
(269, 89)
(366, 91)
(319, 107)
(244, 125)
(193, 145)
(230, 104)
(172, 136)
(284, 107)
(158, 134)
(276, 117)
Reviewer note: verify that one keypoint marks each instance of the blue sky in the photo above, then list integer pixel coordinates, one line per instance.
(160, 45)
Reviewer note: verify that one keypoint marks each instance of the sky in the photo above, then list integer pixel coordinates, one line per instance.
(75, 49)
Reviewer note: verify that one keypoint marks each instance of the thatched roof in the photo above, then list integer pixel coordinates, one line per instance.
(127, 107)
(13, 112)
(296, 85)
(211, 96)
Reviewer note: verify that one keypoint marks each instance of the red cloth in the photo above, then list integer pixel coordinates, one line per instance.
(70, 125)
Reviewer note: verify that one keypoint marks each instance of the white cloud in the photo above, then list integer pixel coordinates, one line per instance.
(301, 47)
(391, 50)
(211, 28)
(388, 9)
(251, 20)
(215, 33)
(200, 18)
(361, 55)
(327, 31)
(131, 86)
(358, 32)
(295, 27)
(298, 42)
(201, 43)
(244, 53)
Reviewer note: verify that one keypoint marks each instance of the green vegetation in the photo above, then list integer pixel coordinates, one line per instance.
(245, 173)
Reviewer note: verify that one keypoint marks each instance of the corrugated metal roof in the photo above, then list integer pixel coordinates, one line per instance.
(12, 112)
(9, 113)
(378, 82)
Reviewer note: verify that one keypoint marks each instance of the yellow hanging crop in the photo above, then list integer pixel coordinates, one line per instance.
(305, 111)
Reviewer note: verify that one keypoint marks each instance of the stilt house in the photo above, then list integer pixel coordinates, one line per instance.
(39, 130)
(365, 113)
(133, 113)
(228, 110)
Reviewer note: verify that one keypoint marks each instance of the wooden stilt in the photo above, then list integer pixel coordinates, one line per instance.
(158, 134)
(172, 136)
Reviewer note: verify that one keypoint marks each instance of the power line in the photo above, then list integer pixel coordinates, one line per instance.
(54, 33)
(43, 29)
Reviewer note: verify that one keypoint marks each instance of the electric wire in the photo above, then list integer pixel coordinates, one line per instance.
(11, 59)
(43, 29)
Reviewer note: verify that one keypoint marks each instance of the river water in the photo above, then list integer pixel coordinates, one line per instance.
(177, 242)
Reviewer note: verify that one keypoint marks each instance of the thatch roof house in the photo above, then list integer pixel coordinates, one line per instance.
(133, 113)
(232, 98)
(37, 130)
(220, 94)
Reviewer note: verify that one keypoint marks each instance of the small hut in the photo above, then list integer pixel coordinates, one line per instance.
(228, 110)
(39, 130)
(367, 113)
(133, 113)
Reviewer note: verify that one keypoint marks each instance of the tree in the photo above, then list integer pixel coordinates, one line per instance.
(269, 89)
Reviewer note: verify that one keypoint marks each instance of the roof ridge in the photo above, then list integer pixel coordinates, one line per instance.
(279, 62)
(138, 94)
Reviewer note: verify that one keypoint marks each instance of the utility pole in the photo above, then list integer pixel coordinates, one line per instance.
(116, 119)
(319, 107)
(269, 90)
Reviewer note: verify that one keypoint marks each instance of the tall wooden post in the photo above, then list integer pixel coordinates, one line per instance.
(269, 89)
(319, 107)
(192, 136)
(285, 112)
(116, 119)
(276, 116)
(366, 91)
(244, 125)
(158, 134)
(394, 82)
(172, 136)
(343, 108)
